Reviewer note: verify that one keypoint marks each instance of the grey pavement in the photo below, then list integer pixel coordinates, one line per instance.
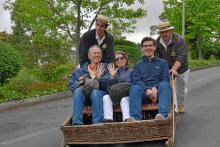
(56, 96)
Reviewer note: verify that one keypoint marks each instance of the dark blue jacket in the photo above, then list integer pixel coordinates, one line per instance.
(149, 74)
(89, 39)
(83, 71)
(122, 75)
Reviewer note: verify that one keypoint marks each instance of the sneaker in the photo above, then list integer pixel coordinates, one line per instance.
(159, 117)
(130, 119)
(181, 109)
(107, 120)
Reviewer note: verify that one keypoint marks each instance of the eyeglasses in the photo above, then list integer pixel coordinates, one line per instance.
(148, 45)
(120, 58)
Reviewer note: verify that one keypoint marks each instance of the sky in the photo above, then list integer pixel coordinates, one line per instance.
(153, 7)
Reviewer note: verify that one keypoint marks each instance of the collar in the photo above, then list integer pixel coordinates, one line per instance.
(163, 43)
(100, 40)
(149, 60)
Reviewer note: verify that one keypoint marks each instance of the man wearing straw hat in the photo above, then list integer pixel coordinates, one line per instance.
(172, 47)
(98, 36)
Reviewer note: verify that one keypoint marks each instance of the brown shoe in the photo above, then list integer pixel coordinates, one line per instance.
(181, 109)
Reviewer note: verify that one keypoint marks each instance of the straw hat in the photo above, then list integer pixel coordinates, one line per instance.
(164, 26)
(103, 19)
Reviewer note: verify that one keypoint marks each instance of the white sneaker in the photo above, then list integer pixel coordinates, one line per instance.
(130, 119)
(159, 117)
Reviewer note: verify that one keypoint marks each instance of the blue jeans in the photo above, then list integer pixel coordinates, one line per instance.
(135, 103)
(78, 106)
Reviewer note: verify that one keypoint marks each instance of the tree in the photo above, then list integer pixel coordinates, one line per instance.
(35, 36)
(49, 21)
(202, 24)
(9, 62)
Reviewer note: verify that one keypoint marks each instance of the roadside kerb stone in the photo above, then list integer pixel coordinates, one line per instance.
(34, 100)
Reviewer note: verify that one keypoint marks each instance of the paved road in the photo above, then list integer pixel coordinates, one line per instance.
(38, 125)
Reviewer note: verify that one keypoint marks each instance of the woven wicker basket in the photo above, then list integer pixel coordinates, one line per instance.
(123, 132)
(120, 132)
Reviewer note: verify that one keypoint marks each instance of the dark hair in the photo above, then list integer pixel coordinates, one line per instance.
(147, 39)
(123, 54)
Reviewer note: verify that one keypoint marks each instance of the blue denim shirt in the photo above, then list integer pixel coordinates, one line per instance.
(83, 71)
(149, 73)
(122, 75)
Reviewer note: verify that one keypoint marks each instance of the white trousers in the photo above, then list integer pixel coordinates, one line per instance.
(181, 84)
(108, 107)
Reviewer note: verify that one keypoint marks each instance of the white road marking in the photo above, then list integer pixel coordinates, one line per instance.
(28, 136)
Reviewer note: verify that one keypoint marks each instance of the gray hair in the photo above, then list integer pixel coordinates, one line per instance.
(94, 46)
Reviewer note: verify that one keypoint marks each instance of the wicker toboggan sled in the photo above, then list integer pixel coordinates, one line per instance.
(147, 129)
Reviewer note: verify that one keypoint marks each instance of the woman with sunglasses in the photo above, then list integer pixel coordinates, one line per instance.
(119, 72)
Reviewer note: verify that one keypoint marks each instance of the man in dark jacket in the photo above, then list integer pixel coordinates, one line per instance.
(172, 47)
(150, 80)
(98, 36)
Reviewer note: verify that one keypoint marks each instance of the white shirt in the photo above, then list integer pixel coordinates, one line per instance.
(100, 40)
(163, 43)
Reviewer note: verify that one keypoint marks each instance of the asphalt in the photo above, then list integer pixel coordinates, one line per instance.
(41, 99)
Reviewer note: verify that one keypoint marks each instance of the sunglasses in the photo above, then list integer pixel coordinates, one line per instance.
(120, 58)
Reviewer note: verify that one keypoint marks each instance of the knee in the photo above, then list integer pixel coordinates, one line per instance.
(135, 91)
(96, 95)
(136, 88)
(77, 91)
(164, 85)
(106, 98)
(124, 100)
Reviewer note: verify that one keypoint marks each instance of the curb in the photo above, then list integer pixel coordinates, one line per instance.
(34, 100)
(204, 67)
(56, 96)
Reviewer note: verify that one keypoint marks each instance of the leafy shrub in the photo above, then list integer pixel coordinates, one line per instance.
(7, 93)
(200, 63)
(28, 83)
(23, 80)
(9, 62)
(52, 72)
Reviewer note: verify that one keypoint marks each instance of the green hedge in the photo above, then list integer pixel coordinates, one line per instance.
(9, 62)
(52, 72)
(200, 63)
(34, 82)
